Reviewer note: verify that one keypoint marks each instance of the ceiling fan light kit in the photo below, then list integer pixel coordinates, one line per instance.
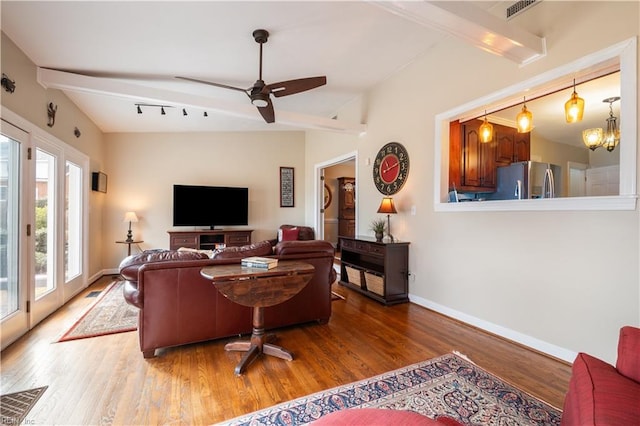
(260, 93)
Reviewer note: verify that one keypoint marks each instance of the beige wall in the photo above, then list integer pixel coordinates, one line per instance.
(560, 281)
(556, 280)
(143, 168)
(29, 101)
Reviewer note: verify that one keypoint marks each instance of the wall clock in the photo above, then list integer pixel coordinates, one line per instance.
(391, 168)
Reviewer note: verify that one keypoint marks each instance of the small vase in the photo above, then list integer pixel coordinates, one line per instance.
(379, 236)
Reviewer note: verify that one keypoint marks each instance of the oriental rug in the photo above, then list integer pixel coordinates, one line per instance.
(109, 314)
(449, 385)
(14, 407)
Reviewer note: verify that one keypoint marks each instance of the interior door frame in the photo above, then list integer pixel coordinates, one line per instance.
(319, 189)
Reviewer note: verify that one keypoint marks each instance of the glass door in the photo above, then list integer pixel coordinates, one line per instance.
(14, 319)
(47, 294)
(74, 277)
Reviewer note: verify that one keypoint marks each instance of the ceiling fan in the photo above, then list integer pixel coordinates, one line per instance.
(260, 92)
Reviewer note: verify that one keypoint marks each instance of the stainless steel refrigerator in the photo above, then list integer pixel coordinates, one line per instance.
(527, 179)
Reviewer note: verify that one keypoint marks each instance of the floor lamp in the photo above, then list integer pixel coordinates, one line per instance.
(386, 206)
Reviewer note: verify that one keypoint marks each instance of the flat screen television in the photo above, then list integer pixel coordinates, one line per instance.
(195, 205)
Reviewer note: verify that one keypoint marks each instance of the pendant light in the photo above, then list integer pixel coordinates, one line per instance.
(486, 130)
(574, 107)
(592, 138)
(612, 134)
(524, 119)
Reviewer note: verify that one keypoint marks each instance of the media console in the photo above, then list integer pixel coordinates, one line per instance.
(210, 239)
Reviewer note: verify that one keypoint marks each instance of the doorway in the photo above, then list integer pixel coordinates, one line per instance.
(337, 195)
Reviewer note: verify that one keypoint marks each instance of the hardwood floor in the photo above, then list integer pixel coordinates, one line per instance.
(105, 380)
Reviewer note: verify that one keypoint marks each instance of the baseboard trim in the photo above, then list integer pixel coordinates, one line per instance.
(523, 339)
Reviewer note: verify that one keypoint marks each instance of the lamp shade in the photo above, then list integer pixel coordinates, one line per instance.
(486, 131)
(574, 108)
(524, 120)
(386, 206)
(592, 138)
(130, 217)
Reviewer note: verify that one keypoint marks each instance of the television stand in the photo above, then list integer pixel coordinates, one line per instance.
(209, 239)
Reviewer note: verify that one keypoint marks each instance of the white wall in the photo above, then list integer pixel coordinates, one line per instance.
(143, 168)
(559, 281)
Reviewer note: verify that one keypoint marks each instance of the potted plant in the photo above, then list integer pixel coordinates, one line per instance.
(378, 226)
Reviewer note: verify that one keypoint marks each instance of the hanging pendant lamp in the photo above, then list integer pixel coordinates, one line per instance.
(574, 107)
(612, 133)
(524, 119)
(486, 130)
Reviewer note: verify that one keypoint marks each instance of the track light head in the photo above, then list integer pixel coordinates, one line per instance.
(184, 112)
(205, 114)
(139, 109)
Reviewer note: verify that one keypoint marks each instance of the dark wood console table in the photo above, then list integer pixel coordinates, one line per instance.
(259, 288)
(209, 239)
(376, 269)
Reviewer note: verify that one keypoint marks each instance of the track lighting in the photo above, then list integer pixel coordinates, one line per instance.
(205, 114)
(184, 112)
(162, 107)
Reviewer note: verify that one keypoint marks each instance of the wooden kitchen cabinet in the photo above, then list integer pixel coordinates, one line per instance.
(379, 270)
(472, 164)
(511, 146)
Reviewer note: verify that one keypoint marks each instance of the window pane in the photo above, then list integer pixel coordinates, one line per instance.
(45, 223)
(73, 220)
(9, 225)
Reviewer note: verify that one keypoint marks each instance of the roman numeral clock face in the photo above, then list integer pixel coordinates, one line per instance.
(391, 168)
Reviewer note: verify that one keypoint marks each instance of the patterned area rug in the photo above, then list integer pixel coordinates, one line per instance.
(108, 315)
(448, 385)
(14, 407)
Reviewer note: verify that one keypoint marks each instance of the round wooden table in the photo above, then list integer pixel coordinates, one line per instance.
(259, 288)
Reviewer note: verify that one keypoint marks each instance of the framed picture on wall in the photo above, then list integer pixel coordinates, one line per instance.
(286, 187)
(99, 181)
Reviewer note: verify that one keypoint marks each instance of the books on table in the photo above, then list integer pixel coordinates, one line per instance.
(259, 262)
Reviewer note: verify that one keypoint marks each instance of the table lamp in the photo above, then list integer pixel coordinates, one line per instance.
(130, 217)
(386, 206)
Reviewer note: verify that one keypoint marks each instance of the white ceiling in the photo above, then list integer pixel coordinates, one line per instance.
(129, 52)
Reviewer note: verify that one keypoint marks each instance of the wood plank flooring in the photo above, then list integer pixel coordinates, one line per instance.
(105, 380)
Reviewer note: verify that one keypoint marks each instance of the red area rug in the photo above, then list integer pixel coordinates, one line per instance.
(449, 385)
(108, 315)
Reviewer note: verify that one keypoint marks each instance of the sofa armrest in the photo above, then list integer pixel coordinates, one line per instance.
(599, 395)
(628, 362)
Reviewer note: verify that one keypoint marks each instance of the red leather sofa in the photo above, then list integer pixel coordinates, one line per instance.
(601, 394)
(179, 306)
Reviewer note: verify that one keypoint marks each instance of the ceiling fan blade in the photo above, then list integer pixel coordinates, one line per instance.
(267, 112)
(290, 87)
(224, 86)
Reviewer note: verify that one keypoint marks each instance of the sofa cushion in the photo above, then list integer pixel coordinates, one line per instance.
(288, 234)
(130, 265)
(628, 362)
(598, 394)
(304, 232)
(308, 246)
(262, 248)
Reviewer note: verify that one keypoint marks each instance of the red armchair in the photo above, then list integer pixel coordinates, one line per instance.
(601, 394)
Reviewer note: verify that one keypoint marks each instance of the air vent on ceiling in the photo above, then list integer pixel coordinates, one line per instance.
(520, 7)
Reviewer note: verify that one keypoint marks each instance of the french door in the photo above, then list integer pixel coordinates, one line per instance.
(43, 192)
